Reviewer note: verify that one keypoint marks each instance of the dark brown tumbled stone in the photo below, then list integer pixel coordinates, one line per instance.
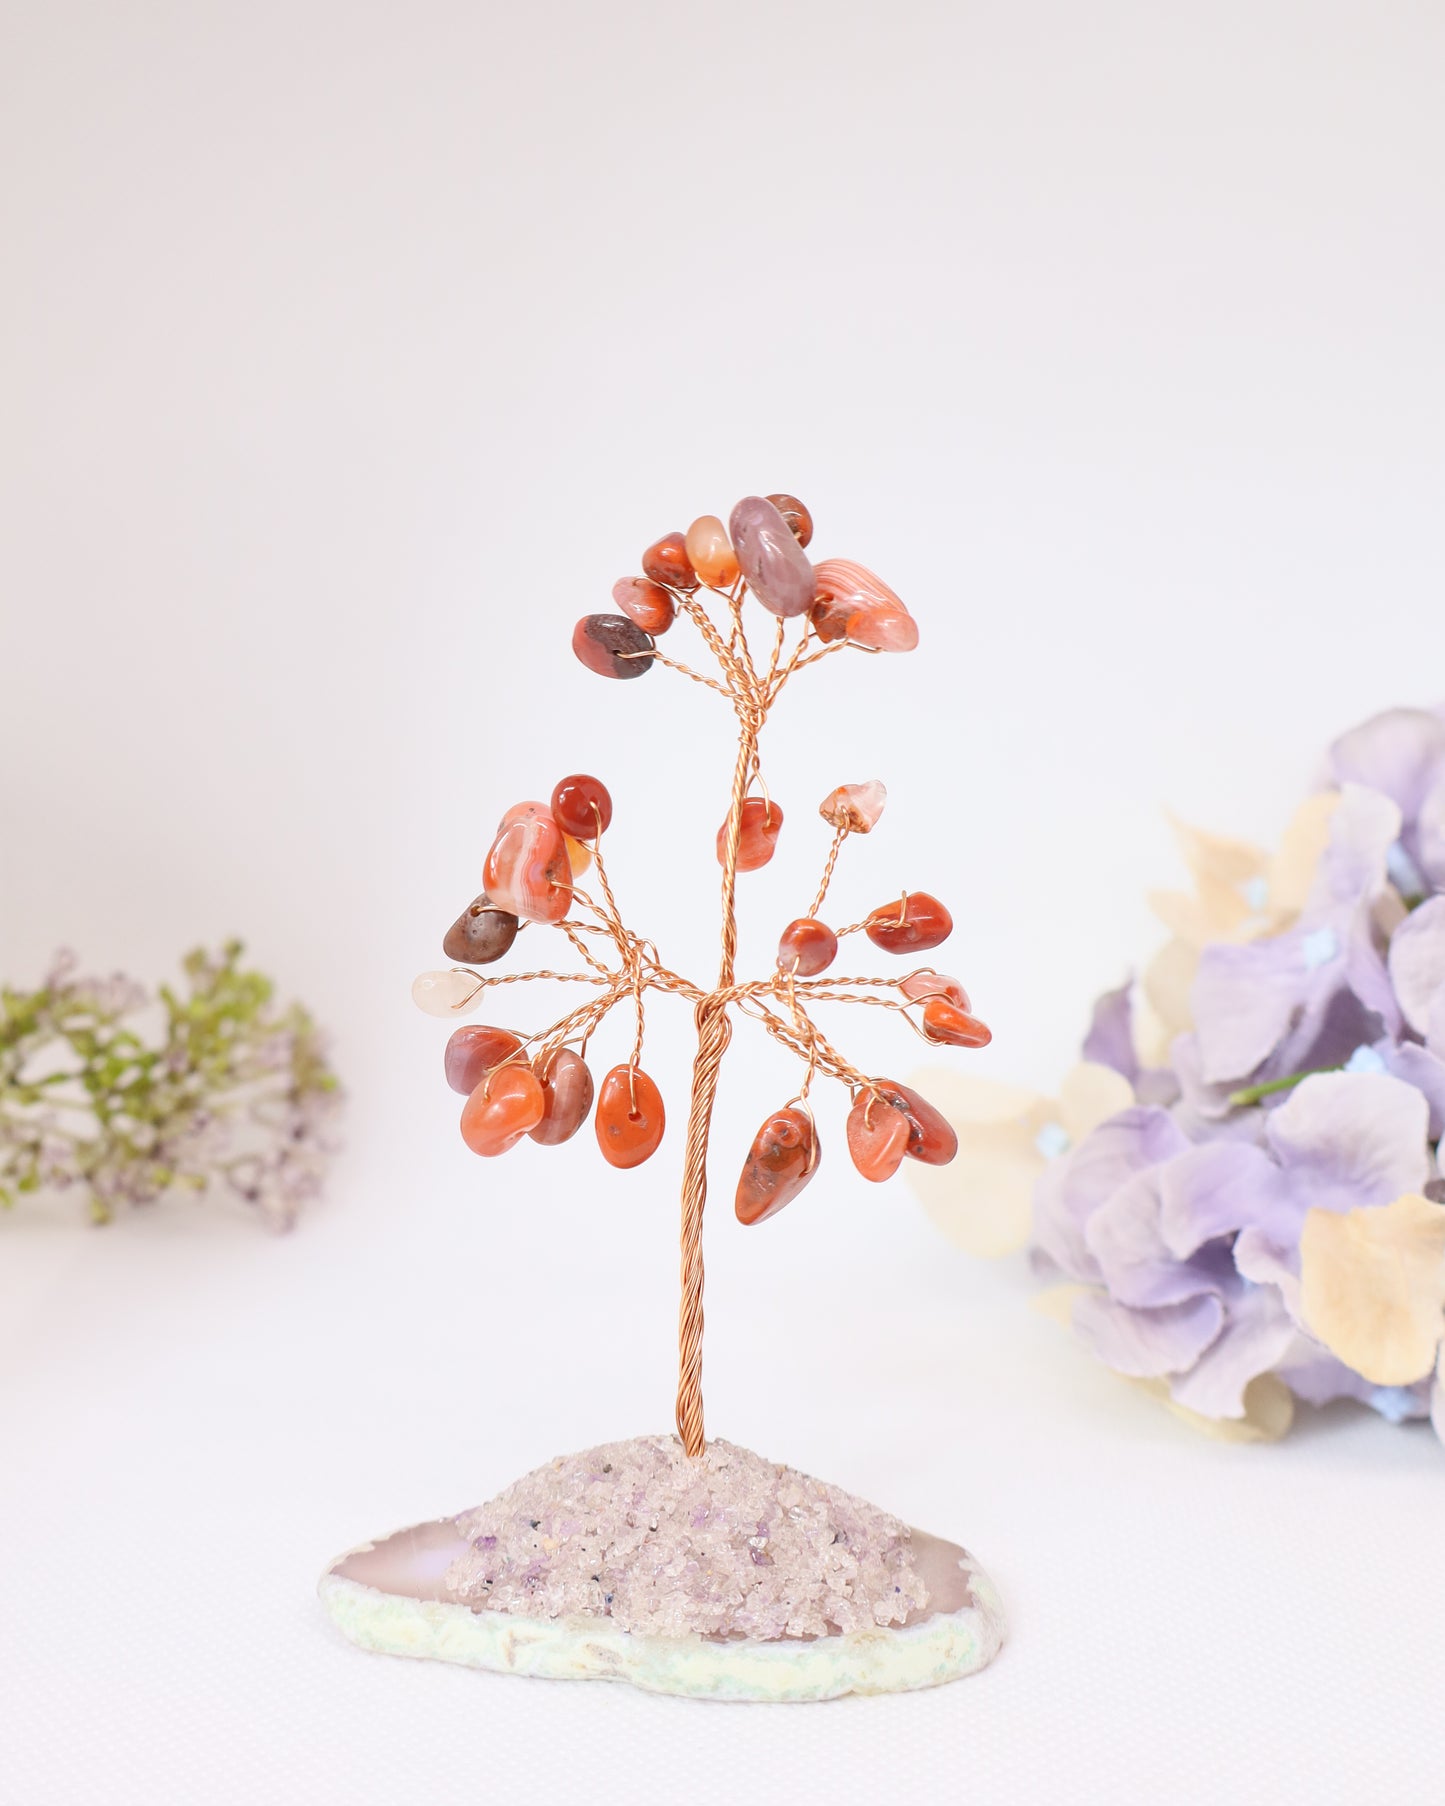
(480, 934)
(609, 645)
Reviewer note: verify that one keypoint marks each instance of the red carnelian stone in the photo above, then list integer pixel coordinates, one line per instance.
(877, 1137)
(930, 1134)
(758, 835)
(781, 1161)
(807, 947)
(796, 515)
(473, 1051)
(582, 807)
(567, 1097)
(644, 602)
(911, 925)
(944, 1021)
(667, 562)
(630, 1117)
(501, 1110)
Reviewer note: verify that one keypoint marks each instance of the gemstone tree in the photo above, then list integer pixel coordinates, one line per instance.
(538, 1086)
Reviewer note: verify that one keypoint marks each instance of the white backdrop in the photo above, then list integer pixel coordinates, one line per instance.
(350, 353)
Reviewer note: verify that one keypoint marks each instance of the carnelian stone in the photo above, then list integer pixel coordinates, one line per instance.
(931, 1138)
(582, 807)
(667, 562)
(757, 836)
(566, 1096)
(527, 870)
(935, 984)
(579, 855)
(480, 934)
(644, 602)
(877, 1137)
(781, 1161)
(613, 646)
(710, 552)
(807, 947)
(501, 1110)
(473, 1051)
(630, 1117)
(796, 515)
(944, 1021)
(913, 924)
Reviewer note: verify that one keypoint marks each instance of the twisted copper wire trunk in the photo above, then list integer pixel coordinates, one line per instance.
(714, 1031)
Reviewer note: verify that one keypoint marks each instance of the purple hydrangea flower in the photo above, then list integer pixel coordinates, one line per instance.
(1311, 1086)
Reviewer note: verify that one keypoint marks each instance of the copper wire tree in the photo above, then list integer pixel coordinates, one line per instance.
(540, 1085)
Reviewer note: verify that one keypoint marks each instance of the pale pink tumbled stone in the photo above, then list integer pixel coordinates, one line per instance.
(772, 561)
(934, 984)
(855, 807)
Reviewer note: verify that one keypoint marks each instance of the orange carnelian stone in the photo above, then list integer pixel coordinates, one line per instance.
(644, 602)
(944, 1021)
(930, 1134)
(473, 1051)
(781, 1161)
(566, 1097)
(501, 1110)
(630, 1117)
(913, 924)
(667, 562)
(581, 806)
(807, 947)
(757, 837)
(877, 1137)
(710, 552)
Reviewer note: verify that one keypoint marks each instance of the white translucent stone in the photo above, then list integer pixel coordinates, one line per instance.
(855, 807)
(445, 993)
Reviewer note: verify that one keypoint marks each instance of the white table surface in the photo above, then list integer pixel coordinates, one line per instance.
(349, 353)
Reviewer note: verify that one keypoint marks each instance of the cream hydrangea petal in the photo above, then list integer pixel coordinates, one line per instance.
(1293, 868)
(1215, 912)
(1215, 856)
(983, 1199)
(1268, 1411)
(1372, 1286)
(1167, 982)
(1091, 1094)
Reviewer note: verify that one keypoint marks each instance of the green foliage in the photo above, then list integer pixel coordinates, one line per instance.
(230, 1091)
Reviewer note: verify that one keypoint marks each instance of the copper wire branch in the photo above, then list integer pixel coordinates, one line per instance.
(779, 1003)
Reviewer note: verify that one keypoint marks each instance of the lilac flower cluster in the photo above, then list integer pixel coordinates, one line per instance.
(1272, 1201)
(230, 1094)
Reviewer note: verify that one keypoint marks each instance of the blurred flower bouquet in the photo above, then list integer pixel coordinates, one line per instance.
(1239, 1184)
(230, 1095)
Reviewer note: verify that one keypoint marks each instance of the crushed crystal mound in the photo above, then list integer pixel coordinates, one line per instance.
(727, 1545)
